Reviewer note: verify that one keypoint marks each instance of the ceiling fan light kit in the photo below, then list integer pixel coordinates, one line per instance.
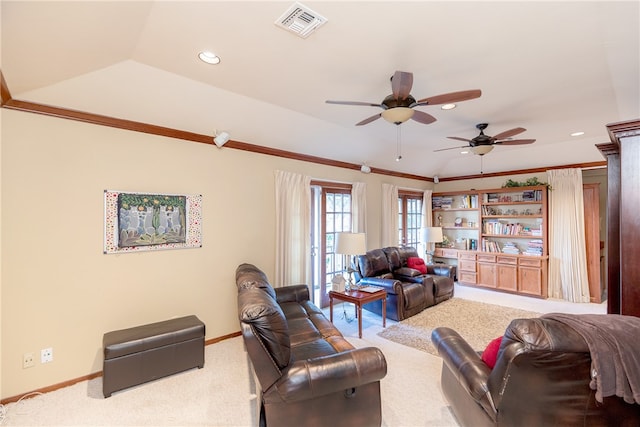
(481, 150)
(398, 115)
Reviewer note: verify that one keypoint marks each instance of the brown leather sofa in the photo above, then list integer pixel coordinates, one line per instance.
(408, 290)
(541, 378)
(307, 372)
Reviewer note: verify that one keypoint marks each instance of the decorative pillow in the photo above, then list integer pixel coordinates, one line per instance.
(417, 263)
(490, 354)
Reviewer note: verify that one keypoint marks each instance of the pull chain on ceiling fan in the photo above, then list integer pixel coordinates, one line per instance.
(399, 145)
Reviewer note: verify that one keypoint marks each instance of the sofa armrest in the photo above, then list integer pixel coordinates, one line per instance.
(441, 270)
(392, 286)
(320, 376)
(293, 293)
(466, 364)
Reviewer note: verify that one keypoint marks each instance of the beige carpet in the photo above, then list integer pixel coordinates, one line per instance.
(477, 322)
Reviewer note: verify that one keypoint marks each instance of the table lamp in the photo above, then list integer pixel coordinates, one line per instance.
(431, 235)
(350, 244)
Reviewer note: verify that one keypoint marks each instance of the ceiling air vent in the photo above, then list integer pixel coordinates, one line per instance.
(300, 20)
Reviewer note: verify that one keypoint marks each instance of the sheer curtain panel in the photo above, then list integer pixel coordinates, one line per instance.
(568, 277)
(389, 215)
(359, 207)
(293, 229)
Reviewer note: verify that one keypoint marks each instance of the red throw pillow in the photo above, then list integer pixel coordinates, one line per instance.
(490, 354)
(417, 263)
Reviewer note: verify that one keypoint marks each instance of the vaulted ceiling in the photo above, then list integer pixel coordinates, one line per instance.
(553, 68)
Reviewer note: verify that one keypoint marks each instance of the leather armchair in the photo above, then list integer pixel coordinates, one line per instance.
(541, 378)
(442, 275)
(404, 298)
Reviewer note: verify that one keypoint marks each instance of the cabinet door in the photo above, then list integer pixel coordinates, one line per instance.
(507, 277)
(530, 280)
(487, 275)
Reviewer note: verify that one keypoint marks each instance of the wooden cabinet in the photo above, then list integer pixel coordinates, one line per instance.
(532, 276)
(467, 267)
(521, 274)
(623, 221)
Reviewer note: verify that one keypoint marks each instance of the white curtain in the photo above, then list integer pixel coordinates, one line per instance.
(359, 207)
(389, 215)
(568, 277)
(293, 229)
(427, 217)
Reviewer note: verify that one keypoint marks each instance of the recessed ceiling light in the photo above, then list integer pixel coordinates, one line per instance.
(209, 57)
(448, 106)
(577, 133)
(465, 151)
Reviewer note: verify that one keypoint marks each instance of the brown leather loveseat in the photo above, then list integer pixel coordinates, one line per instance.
(541, 378)
(409, 291)
(307, 372)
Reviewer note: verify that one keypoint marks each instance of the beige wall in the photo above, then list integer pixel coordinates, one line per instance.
(59, 290)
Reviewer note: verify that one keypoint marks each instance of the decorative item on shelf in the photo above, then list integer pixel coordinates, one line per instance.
(350, 244)
(440, 220)
(458, 222)
(431, 235)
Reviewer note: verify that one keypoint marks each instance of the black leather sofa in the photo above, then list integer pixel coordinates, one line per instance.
(307, 373)
(541, 378)
(408, 290)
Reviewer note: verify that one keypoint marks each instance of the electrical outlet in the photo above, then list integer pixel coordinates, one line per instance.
(46, 355)
(28, 361)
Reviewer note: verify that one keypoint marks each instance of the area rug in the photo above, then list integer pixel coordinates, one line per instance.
(477, 322)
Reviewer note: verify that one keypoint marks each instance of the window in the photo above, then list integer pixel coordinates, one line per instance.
(331, 214)
(409, 217)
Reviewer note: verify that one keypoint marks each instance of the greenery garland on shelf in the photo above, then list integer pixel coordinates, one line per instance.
(531, 182)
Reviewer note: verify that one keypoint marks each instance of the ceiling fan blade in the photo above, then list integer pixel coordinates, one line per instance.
(516, 142)
(369, 120)
(452, 148)
(401, 84)
(509, 133)
(459, 139)
(450, 98)
(422, 117)
(368, 104)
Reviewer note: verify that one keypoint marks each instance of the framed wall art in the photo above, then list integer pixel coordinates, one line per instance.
(146, 221)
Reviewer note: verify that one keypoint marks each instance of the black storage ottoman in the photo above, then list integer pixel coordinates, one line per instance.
(144, 353)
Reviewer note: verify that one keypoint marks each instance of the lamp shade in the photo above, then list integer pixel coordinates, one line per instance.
(350, 243)
(432, 234)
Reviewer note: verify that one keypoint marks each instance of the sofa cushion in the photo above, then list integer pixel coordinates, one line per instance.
(417, 263)
(249, 276)
(259, 309)
(374, 263)
(490, 353)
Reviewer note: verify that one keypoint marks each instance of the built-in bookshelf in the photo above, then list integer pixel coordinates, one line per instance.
(498, 237)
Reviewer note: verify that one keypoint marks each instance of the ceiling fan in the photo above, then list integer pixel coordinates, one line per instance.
(482, 144)
(399, 106)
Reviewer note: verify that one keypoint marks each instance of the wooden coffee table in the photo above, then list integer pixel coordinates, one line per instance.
(359, 298)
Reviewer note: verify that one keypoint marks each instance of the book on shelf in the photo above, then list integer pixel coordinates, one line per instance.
(490, 246)
(534, 247)
(510, 248)
(441, 202)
